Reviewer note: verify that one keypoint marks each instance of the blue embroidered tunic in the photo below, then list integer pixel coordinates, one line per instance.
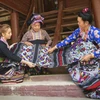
(93, 35)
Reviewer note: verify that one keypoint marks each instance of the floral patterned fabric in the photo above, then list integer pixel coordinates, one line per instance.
(37, 53)
(93, 35)
(86, 76)
(79, 49)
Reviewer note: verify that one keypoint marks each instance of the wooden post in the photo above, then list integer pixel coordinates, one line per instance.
(14, 25)
(25, 22)
(36, 6)
(40, 6)
(57, 36)
(96, 11)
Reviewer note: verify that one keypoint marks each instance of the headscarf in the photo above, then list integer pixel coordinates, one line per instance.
(35, 18)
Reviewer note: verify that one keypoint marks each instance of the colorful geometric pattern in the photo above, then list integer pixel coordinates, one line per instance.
(37, 53)
(86, 76)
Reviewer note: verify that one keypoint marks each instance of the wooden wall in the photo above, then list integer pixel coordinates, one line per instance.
(49, 5)
(71, 3)
(21, 6)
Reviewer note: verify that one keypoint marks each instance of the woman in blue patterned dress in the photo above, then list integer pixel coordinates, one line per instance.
(83, 56)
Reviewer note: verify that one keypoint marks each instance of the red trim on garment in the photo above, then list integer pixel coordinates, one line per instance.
(93, 86)
(59, 56)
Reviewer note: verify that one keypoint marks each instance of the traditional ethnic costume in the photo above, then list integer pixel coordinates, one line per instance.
(8, 70)
(38, 39)
(86, 76)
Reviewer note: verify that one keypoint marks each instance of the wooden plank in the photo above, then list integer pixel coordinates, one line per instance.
(50, 20)
(62, 33)
(51, 16)
(24, 25)
(67, 25)
(42, 5)
(6, 18)
(4, 14)
(69, 17)
(63, 25)
(17, 6)
(49, 13)
(72, 3)
(64, 18)
(66, 33)
(96, 11)
(57, 36)
(50, 27)
(73, 9)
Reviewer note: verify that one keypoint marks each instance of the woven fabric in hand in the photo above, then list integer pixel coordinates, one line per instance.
(37, 53)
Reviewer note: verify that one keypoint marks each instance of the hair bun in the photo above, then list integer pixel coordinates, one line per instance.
(85, 10)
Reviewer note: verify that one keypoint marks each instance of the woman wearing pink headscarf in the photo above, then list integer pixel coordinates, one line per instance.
(36, 38)
(36, 33)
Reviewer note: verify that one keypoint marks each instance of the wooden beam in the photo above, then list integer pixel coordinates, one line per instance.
(62, 33)
(6, 18)
(63, 25)
(21, 6)
(15, 26)
(73, 9)
(57, 35)
(64, 18)
(49, 13)
(24, 25)
(2, 7)
(96, 11)
(4, 14)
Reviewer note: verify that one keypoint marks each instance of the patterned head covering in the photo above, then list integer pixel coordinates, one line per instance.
(34, 19)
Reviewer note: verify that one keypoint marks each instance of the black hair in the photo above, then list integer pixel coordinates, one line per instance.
(86, 15)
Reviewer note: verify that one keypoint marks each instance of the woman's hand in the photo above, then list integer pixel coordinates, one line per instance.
(12, 45)
(52, 49)
(28, 43)
(47, 45)
(28, 63)
(86, 58)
